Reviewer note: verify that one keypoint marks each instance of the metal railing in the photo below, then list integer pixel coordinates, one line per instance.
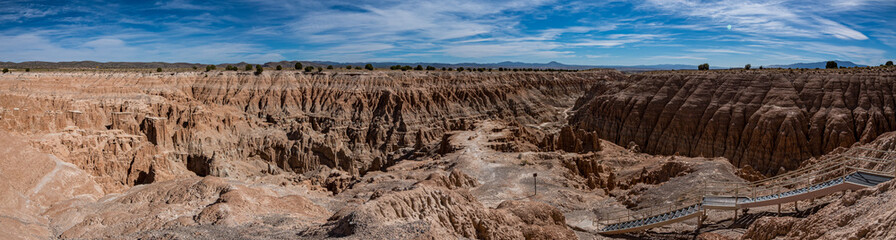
(839, 166)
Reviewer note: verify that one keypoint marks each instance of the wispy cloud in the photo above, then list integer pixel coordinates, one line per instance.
(778, 18)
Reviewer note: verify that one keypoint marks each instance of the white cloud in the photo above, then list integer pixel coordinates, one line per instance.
(615, 40)
(526, 49)
(727, 51)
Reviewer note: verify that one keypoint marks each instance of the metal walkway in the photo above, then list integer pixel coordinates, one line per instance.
(840, 173)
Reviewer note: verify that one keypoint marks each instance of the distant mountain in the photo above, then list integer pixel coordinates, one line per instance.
(817, 65)
(505, 64)
(291, 64)
(92, 64)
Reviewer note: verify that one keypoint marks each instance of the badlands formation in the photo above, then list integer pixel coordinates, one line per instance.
(426, 155)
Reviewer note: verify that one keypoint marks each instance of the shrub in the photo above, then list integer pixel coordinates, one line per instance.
(460, 69)
(369, 67)
(28, 70)
(419, 68)
(405, 68)
(889, 63)
(194, 68)
(830, 65)
(5, 70)
(279, 68)
(298, 66)
(703, 67)
(443, 69)
(329, 66)
(248, 67)
(760, 67)
(358, 67)
(747, 67)
(320, 69)
(258, 69)
(349, 67)
(430, 68)
(309, 69)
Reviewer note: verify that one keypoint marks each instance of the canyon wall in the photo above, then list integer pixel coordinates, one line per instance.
(130, 128)
(768, 119)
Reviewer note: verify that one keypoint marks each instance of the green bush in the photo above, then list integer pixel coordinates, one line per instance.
(889, 63)
(194, 68)
(460, 69)
(703, 67)
(298, 66)
(419, 68)
(329, 66)
(747, 67)
(279, 68)
(349, 67)
(258, 69)
(309, 68)
(369, 67)
(5, 70)
(830, 65)
(248, 67)
(28, 70)
(158, 69)
(320, 69)
(358, 67)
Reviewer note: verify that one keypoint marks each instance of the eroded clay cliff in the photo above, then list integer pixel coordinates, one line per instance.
(767, 119)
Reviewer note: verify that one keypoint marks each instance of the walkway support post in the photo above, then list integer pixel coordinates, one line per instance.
(735, 204)
(535, 183)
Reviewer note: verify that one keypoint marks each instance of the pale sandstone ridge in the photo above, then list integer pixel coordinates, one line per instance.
(233, 124)
(766, 119)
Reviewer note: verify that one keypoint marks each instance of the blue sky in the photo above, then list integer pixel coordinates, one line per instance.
(451, 31)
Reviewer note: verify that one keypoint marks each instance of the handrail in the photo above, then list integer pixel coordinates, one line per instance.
(843, 165)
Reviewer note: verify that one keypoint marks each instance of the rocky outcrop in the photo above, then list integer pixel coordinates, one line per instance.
(665, 172)
(595, 174)
(183, 203)
(456, 179)
(767, 119)
(435, 212)
(767, 228)
(578, 141)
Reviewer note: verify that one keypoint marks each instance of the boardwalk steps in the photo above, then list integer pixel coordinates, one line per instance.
(825, 178)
